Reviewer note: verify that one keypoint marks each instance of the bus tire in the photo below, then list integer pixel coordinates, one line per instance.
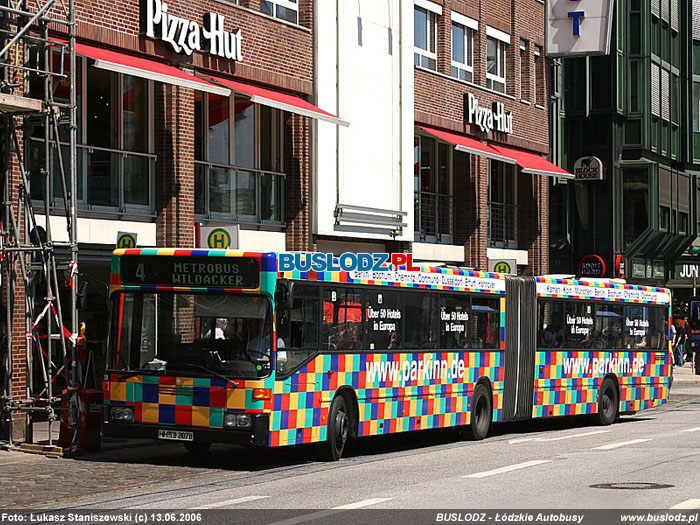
(197, 448)
(338, 430)
(481, 413)
(608, 403)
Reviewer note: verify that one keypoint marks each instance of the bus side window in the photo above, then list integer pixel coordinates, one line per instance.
(298, 328)
(343, 314)
(420, 311)
(551, 324)
(659, 328)
(485, 332)
(608, 324)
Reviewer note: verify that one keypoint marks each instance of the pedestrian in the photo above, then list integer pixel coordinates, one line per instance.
(688, 342)
(678, 343)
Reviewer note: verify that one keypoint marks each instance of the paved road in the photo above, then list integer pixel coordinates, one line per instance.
(544, 464)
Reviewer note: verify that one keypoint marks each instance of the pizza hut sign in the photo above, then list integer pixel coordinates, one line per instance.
(494, 118)
(186, 36)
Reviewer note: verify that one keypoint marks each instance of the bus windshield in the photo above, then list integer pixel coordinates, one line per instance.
(204, 334)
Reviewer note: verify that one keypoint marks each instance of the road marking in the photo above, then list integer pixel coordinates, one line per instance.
(330, 512)
(559, 438)
(509, 468)
(363, 503)
(622, 444)
(244, 499)
(696, 429)
(687, 504)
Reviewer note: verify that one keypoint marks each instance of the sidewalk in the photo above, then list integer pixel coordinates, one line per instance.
(685, 376)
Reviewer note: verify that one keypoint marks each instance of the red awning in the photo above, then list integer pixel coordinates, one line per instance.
(532, 163)
(279, 100)
(147, 68)
(468, 144)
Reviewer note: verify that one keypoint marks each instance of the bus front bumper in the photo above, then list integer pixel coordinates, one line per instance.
(257, 435)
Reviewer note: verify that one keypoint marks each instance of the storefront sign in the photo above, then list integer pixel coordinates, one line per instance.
(495, 118)
(126, 240)
(219, 238)
(591, 266)
(195, 271)
(588, 168)
(579, 27)
(687, 272)
(507, 266)
(638, 269)
(186, 36)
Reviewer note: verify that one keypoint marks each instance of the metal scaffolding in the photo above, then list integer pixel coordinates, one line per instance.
(32, 63)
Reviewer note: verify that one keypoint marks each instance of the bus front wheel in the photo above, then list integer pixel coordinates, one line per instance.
(608, 403)
(338, 430)
(481, 413)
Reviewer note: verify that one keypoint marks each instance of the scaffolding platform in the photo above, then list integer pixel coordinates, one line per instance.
(18, 105)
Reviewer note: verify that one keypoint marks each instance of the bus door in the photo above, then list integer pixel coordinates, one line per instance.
(521, 339)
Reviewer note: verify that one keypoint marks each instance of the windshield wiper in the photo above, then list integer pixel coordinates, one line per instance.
(233, 383)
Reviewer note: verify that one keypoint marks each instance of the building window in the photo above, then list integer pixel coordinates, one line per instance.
(524, 70)
(503, 210)
(425, 38)
(238, 160)
(635, 199)
(287, 10)
(496, 64)
(432, 189)
(115, 163)
(539, 89)
(696, 106)
(462, 52)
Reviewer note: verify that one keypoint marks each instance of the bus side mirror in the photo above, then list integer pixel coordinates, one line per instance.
(283, 295)
(82, 296)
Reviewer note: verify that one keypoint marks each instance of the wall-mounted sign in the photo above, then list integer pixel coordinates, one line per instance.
(687, 272)
(579, 27)
(620, 266)
(219, 237)
(638, 269)
(588, 168)
(495, 118)
(507, 266)
(126, 240)
(591, 266)
(186, 36)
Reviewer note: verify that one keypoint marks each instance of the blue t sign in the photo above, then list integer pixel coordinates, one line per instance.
(576, 17)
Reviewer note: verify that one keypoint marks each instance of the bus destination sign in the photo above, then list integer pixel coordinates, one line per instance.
(200, 272)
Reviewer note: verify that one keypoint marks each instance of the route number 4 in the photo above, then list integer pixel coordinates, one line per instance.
(141, 273)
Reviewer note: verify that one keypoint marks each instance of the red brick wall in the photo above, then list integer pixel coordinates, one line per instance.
(274, 52)
(440, 102)
(174, 130)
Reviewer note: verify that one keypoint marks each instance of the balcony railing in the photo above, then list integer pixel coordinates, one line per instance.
(109, 180)
(434, 216)
(240, 195)
(503, 225)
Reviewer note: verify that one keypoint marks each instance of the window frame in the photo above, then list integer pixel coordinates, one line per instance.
(494, 80)
(287, 4)
(420, 54)
(85, 149)
(470, 29)
(205, 163)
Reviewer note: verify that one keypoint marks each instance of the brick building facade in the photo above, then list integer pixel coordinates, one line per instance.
(160, 158)
(504, 219)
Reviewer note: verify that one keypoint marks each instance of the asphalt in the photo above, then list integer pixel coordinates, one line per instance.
(541, 464)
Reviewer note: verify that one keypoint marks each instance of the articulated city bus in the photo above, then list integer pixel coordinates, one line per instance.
(219, 346)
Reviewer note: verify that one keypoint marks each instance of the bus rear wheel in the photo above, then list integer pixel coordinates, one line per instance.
(608, 403)
(338, 430)
(481, 413)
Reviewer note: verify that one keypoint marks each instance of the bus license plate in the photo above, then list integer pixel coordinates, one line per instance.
(176, 435)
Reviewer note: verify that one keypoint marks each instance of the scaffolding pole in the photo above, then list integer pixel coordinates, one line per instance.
(28, 253)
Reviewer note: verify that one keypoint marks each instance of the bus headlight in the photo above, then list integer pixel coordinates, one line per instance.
(125, 414)
(244, 421)
(241, 421)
